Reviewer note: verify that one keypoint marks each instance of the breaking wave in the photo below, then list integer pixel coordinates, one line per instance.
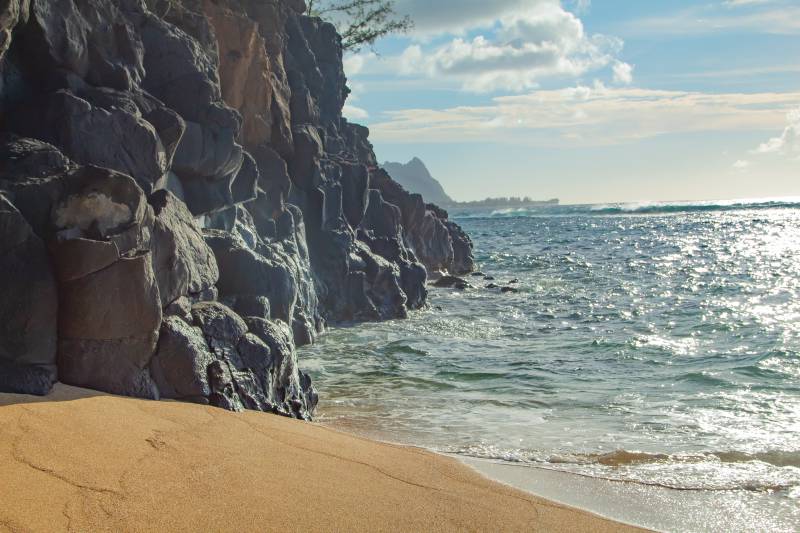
(768, 471)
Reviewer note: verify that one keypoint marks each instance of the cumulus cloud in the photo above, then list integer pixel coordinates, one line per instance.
(623, 73)
(587, 116)
(457, 16)
(354, 63)
(580, 6)
(789, 141)
(516, 50)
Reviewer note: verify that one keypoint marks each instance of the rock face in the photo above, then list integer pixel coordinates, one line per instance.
(28, 313)
(182, 203)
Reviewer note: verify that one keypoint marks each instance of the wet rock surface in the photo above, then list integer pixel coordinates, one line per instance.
(182, 203)
(452, 282)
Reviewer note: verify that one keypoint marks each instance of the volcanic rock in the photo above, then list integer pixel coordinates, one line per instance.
(156, 155)
(182, 261)
(451, 282)
(28, 309)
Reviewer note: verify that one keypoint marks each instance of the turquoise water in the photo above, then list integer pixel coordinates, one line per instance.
(655, 343)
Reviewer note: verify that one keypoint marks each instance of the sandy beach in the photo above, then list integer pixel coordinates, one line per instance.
(79, 460)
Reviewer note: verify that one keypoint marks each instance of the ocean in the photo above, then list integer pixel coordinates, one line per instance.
(653, 345)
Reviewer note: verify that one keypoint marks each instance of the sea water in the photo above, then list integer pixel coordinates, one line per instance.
(652, 344)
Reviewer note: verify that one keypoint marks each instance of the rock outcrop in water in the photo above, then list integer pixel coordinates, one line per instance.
(182, 203)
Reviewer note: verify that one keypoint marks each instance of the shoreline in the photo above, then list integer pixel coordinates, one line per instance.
(86, 460)
(637, 505)
(645, 506)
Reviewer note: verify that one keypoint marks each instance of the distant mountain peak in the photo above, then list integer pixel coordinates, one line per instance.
(415, 177)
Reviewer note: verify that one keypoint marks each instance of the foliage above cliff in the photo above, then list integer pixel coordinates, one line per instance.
(360, 22)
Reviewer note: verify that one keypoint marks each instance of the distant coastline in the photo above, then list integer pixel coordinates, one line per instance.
(415, 178)
(502, 203)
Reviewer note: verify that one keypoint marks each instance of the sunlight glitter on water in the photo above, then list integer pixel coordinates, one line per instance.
(670, 338)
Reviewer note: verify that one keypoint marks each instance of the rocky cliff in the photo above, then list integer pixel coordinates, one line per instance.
(182, 203)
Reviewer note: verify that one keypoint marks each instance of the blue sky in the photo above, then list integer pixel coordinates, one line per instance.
(590, 101)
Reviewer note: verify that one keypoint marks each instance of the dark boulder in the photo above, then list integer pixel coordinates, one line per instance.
(251, 305)
(278, 337)
(221, 327)
(256, 355)
(382, 218)
(383, 280)
(223, 389)
(244, 271)
(181, 308)
(29, 306)
(33, 172)
(413, 277)
(108, 326)
(109, 365)
(453, 282)
(205, 196)
(117, 137)
(77, 258)
(289, 389)
(25, 379)
(180, 365)
(76, 37)
(183, 262)
(208, 151)
(250, 391)
(87, 312)
(23, 158)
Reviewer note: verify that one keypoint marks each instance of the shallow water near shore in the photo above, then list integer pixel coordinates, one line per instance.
(652, 344)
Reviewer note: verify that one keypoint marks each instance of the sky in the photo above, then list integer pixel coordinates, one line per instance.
(589, 101)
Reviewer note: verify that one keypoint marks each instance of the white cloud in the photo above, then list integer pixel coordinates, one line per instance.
(458, 16)
(354, 63)
(587, 116)
(623, 73)
(580, 6)
(741, 165)
(789, 141)
(411, 60)
(351, 112)
(518, 49)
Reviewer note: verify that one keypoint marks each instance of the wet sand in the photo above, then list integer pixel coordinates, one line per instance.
(658, 508)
